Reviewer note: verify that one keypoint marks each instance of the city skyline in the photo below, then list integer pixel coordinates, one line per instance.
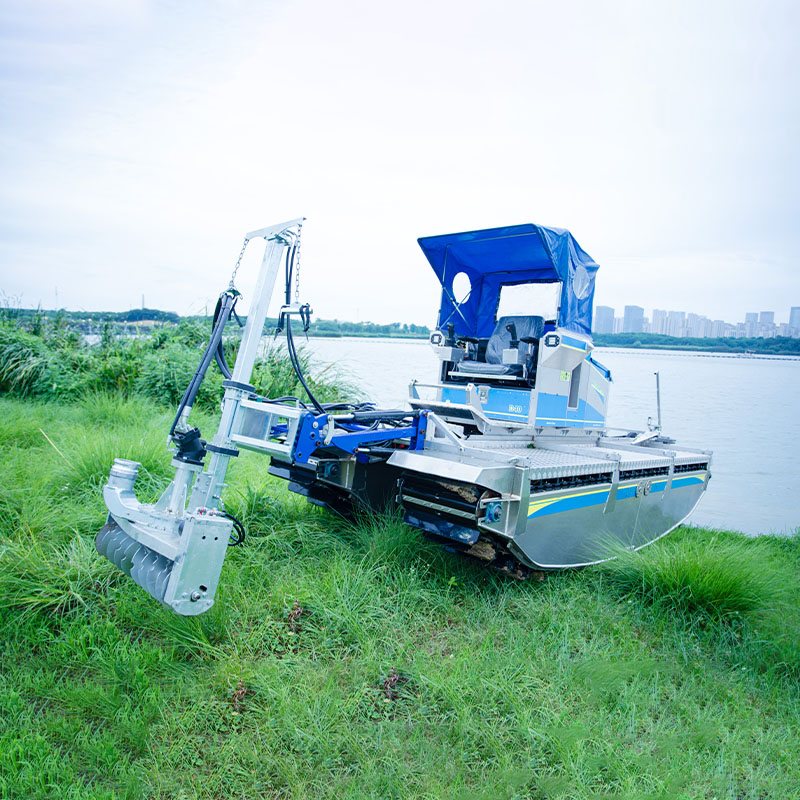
(756, 324)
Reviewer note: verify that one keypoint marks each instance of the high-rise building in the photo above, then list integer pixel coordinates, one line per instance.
(766, 325)
(633, 319)
(676, 323)
(659, 324)
(682, 324)
(694, 326)
(603, 319)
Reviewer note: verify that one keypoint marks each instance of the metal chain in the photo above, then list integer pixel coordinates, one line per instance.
(297, 265)
(238, 262)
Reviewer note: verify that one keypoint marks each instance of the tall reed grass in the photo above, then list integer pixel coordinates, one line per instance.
(57, 365)
(746, 592)
(717, 578)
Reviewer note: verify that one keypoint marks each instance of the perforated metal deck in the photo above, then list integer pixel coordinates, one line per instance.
(555, 464)
(568, 458)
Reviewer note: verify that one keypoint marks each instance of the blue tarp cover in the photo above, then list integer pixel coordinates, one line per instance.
(511, 255)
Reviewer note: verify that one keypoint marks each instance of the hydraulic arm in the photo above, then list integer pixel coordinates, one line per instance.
(175, 548)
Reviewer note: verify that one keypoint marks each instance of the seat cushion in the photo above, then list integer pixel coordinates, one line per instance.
(481, 368)
(501, 338)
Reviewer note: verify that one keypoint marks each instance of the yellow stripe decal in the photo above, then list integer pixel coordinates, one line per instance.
(538, 505)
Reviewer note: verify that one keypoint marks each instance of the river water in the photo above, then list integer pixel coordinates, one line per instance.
(744, 409)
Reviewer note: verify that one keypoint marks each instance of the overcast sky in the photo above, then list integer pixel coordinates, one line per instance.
(141, 140)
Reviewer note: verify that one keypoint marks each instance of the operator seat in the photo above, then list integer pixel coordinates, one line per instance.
(527, 327)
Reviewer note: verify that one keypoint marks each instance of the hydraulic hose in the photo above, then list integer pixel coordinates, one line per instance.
(219, 353)
(226, 303)
(295, 361)
(293, 358)
(215, 350)
(219, 356)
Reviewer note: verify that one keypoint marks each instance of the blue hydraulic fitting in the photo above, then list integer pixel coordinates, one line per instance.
(494, 512)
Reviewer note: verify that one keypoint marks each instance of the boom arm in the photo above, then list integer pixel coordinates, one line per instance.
(172, 549)
(175, 548)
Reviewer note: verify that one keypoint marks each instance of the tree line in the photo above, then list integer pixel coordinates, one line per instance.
(778, 345)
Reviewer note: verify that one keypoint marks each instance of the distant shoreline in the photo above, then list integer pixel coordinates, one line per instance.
(93, 323)
(777, 346)
(697, 350)
(744, 350)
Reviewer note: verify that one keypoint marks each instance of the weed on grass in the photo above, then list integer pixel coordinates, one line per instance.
(721, 587)
(716, 576)
(55, 579)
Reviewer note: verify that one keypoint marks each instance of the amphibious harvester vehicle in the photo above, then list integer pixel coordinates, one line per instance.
(505, 457)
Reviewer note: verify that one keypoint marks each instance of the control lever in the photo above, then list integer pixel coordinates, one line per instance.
(450, 341)
(512, 329)
(470, 344)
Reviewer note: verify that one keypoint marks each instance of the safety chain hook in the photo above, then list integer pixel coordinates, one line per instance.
(238, 263)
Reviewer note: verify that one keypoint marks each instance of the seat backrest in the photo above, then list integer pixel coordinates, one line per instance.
(501, 338)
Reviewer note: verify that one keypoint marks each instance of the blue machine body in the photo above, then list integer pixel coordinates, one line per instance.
(308, 440)
(514, 254)
(560, 384)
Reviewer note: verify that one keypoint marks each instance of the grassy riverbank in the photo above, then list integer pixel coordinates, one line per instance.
(358, 661)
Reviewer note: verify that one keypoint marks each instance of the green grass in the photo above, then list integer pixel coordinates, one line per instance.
(56, 364)
(359, 661)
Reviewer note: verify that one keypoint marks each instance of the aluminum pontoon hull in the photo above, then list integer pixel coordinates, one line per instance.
(548, 508)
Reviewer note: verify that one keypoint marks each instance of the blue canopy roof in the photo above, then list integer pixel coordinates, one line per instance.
(515, 254)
